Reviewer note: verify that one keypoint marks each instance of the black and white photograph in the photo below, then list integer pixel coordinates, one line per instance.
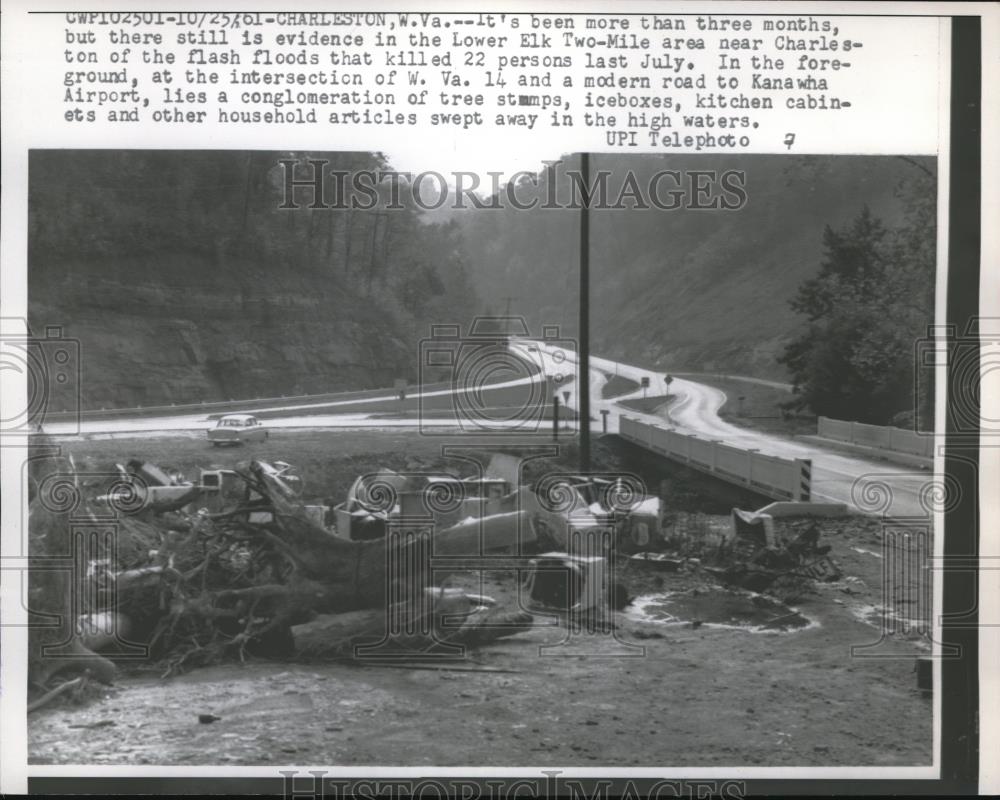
(287, 393)
(498, 403)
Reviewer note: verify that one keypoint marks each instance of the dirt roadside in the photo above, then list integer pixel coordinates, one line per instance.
(706, 695)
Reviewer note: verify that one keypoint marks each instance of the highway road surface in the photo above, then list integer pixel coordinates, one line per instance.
(862, 484)
(760, 381)
(383, 410)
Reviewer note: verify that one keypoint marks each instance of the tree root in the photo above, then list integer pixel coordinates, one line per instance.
(76, 684)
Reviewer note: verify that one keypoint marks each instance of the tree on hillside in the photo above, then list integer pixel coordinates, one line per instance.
(870, 301)
(367, 279)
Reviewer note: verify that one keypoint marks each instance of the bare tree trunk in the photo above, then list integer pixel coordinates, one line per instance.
(371, 259)
(330, 231)
(309, 233)
(246, 193)
(349, 229)
(385, 244)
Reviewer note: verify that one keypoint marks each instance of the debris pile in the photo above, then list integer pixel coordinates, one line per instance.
(783, 558)
(160, 569)
(751, 550)
(467, 515)
(237, 564)
(197, 573)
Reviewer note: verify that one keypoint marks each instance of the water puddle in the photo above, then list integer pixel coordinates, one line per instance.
(889, 620)
(719, 608)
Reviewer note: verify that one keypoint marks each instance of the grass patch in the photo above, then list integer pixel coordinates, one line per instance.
(329, 461)
(647, 405)
(616, 386)
(760, 408)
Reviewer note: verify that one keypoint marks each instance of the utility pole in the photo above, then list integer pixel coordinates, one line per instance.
(584, 359)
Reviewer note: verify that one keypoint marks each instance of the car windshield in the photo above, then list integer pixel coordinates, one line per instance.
(232, 423)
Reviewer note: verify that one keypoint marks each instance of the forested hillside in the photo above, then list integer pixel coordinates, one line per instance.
(689, 289)
(183, 280)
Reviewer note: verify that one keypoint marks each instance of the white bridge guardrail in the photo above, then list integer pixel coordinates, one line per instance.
(882, 437)
(780, 478)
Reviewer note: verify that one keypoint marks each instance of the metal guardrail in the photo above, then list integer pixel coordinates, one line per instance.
(883, 437)
(780, 478)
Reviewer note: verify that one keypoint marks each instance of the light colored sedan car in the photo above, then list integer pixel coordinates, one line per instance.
(237, 429)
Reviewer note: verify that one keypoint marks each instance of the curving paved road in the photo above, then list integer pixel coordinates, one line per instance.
(760, 381)
(862, 484)
(369, 412)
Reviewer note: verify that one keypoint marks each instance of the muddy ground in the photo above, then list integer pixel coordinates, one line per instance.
(657, 693)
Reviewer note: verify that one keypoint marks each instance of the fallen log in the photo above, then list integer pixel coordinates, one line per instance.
(199, 588)
(441, 620)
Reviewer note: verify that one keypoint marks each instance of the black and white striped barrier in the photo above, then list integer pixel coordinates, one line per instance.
(805, 478)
